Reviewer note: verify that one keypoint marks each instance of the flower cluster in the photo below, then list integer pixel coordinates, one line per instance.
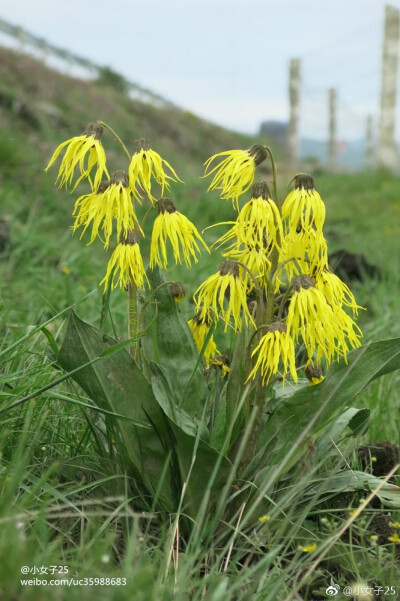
(278, 252)
(109, 208)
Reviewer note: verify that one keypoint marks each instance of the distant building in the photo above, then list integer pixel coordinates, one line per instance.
(275, 131)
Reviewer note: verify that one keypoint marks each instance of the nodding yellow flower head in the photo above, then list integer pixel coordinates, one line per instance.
(85, 152)
(275, 347)
(235, 174)
(335, 291)
(126, 263)
(314, 374)
(303, 207)
(172, 225)
(111, 201)
(395, 538)
(178, 291)
(259, 219)
(200, 327)
(147, 165)
(308, 249)
(224, 293)
(325, 330)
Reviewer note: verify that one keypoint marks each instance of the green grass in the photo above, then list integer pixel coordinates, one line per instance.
(64, 499)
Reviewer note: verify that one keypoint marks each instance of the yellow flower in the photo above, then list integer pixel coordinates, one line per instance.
(255, 259)
(126, 263)
(303, 207)
(323, 330)
(314, 374)
(224, 288)
(309, 548)
(111, 201)
(200, 327)
(222, 362)
(335, 291)
(395, 538)
(264, 518)
(304, 252)
(146, 164)
(75, 156)
(394, 525)
(172, 225)
(178, 291)
(275, 347)
(259, 222)
(234, 174)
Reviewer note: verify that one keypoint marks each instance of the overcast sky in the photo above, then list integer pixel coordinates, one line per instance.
(227, 60)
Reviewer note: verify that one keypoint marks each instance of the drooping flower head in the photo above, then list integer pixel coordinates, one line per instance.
(259, 219)
(224, 293)
(178, 291)
(305, 252)
(200, 327)
(303, 207)
(335, 291)
(235, 174)
(147, 165)
(325, 329)
(85, 152)
(126, 263)
(111, 201)
(275, 348)
(182, 234)
(314, 374)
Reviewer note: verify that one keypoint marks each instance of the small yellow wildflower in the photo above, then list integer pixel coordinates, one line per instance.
(224, 288)
(146, 164)
(395, 538)
(235, 174)
(394, 525)
(221, 361)
(303, 207)
(200, 327)
(75, 156)
(309, 548)
(126, 263)
(274, 347)
(65, 270)
(304, 252)
(335, 291)
(264, 518)
(172, 225)
(374, 459)
(111, 201)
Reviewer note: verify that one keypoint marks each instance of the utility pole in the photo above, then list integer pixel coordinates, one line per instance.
(332, 145)
(369, 145)
(293, 140)
(387, 147)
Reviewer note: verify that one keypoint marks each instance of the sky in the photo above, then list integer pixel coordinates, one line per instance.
(228, 60)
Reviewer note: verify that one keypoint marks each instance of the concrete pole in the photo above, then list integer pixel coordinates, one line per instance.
(332, 144)
(293, 139)
(387, 147)
(369, 145)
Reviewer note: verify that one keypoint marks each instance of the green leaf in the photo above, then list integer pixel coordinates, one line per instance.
(351, 481)
(304, 415)
(116, 384)
(166, 397)
(169, 343)
(354, 419)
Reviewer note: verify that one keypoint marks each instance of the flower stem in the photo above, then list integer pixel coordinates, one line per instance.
(266, 319)
(132, 318)
(116, 136)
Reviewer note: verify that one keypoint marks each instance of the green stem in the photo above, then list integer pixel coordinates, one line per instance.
(266, 319)
(132, 318)
(116, 136)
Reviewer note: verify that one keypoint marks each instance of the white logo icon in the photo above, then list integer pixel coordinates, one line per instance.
(332, 590)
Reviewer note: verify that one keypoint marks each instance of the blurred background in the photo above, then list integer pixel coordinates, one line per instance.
(323, 74)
